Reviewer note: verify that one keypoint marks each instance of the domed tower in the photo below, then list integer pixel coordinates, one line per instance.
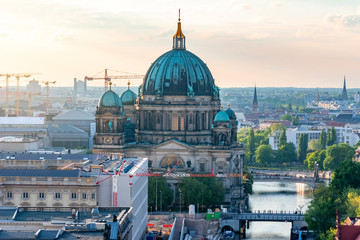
(109, 119)
(221, 129)
(233, 122)
(178, 98)
(128, 99)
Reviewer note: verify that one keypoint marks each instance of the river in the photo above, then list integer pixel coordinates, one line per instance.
(276, 196)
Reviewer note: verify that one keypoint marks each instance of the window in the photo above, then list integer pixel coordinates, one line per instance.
(57, 195)
(25, 195)
(73, 196)
(41, 195)
(93, 196)
(84, 196)
(202, 167)
(9, 195)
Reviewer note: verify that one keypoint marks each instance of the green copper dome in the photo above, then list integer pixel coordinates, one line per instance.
(110, 99)
(231, 114)
(221, 116)
(128, 97)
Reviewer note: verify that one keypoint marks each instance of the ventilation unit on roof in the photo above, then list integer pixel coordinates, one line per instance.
(41, 158)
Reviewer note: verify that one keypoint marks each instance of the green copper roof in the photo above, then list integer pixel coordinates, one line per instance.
(221, 117)
(110, 99)
(231, 113)
(128, 97)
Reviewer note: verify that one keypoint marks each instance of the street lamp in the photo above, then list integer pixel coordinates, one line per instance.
(180, 199)
(160, 201)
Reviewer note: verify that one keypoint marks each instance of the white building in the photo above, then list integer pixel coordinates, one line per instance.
(128, 188)
(343, 135)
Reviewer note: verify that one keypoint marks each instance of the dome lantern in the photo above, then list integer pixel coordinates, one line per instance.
(179, 38)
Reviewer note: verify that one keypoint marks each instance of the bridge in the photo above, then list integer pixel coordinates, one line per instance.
(285, 178)
(281, 216)
(238, 222)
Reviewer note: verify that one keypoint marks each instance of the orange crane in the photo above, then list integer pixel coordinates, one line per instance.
(47, 83)
(25, 93)
(108, 78)
(18, 76)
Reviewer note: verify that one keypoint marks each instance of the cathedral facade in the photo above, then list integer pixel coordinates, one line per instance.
(175, 120)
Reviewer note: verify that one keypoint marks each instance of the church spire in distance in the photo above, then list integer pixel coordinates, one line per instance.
(344, 91)
(255, 101)
(179, 38)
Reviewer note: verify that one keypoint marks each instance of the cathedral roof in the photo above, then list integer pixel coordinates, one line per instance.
(230, 113)
(221, 116)
(128, 97)
(110, 99)
(179, 72)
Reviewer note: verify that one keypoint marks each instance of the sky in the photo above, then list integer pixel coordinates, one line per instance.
(280, 43)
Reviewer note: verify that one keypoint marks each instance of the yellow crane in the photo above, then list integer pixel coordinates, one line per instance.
(18, 76)
(108, 78)
(47, 83)
(29, 100)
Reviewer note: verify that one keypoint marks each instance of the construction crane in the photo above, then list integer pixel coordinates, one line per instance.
(47, 83)
(18, 76)
(108, 78)
(24, 93)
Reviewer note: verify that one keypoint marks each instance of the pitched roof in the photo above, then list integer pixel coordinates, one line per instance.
(75, 115)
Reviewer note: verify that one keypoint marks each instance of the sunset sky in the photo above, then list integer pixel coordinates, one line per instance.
(289, 43)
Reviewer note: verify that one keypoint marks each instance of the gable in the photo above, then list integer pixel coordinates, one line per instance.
(172, 145)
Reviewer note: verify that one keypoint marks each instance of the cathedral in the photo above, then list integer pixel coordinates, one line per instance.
(176, 119)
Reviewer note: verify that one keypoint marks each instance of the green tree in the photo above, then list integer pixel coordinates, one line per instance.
(207, 191)
(315, 145)
(289, 107)
(251, 143)
(264, 155)
(286, 153)
(282, 138)
(347, 175)
(322, 139)
(163, 187)
(313, 157)
(286, 117)
(333, 135)
(248, 181)
(321, 213)
(295, 120)
(353, 203)
(277, 127)
(335, 154)
(302, 147)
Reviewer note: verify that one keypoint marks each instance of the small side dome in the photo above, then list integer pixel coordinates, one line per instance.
(128, 97)
(221, 116)
(231, 114)
(110, 99)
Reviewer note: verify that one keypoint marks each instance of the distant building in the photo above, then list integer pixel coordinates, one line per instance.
(19, 144)
(33, 86)
(255, 101)
(344, 91)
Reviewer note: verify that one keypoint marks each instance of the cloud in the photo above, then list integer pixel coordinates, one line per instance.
(257, 36)
(277, 4)
(61, 35)
(349, 21)
(247, 7)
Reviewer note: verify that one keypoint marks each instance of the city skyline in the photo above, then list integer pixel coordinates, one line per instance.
(270, 43)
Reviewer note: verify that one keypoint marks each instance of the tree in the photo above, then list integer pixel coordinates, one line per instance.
(163, 187)
(248, 181)
(295, 120)
(321, 213)
(264, 155)
(347, 175)
(289, 107)
(335, 154)
(286, 153)
(286, 117)
(277, 127)
(251, 143)
(302, 147)
(207, 191)
(322, 139)
(313, 157)
(282, 138)
(315, 145)
(333, 135)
